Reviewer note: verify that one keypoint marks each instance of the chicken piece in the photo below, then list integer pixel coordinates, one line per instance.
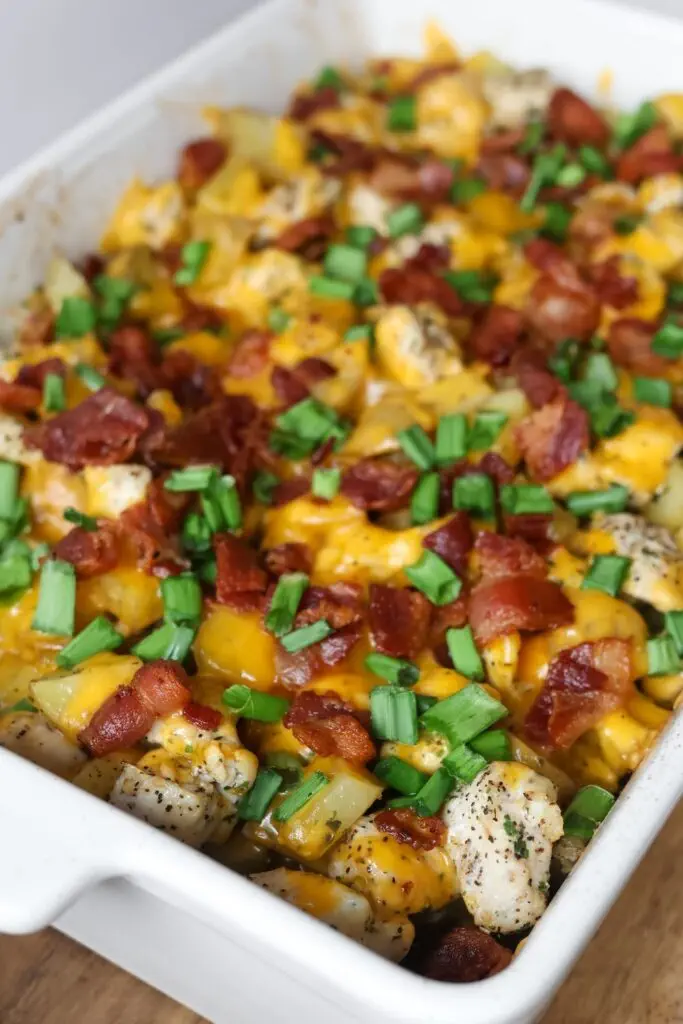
(12, 447)
(32, 736)
(307, 195)
(260, 282)
(415, 347)
(146, 215)
(395, 877)
(663, 192)
(501, 829)
(368, 207)
(517, 97)
(343, 909)
(190, 812)
(112, 489)
(656, 573)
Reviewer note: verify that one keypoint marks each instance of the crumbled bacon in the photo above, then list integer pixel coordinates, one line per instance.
(286, 558)
(306, 105)
(630, 345)
(505, 140)
(379, 484)
(507, 556)
(399, 620)
(612, 287)
(237, 568)
(412, 285)
(295, 670)
(352, 154)
(572, 120)
(583, 684)
(340, 604)
(405, 825)
(533, 527)
(192, 383)
(33, 374)
(553, 437)
(511, 603)
(530, 367)
(290, 490)
(496, 336)
(202, 716)
(466, 954)
(293, 385)
(151, 525)
(651, 155)
(328, 725)
(199, 161)
(445, 617)
(545, 255)
(504, 172)
(16, 397)
(308, 237)
(91, 552)
(430, 257)
(251, 353)
(134, 356)
(562, 305)
(453, 541)
(405, 178)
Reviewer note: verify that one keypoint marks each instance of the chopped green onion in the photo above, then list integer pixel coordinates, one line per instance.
(400, 775)
(588, 809)
(93, 380)
(545, 171)
(402, 114)
(533, 137)
(463, 652)
(424, 703)
(165, 335)
(290, 445)
(99, 635)
(366, 293)
(393, 712)
(40, 552)
(329, 288)
(613, 499)
(464, 715)
(207, 570)
(485, 430)
(435, 578)
(196, 533)
(463, 763)
(360, 235)
(599, 368)
(588, 393)
(360, 332)
(325, 483)
(564, 359)
(471, 285)
(345, 263)
(424, 501)
(328, 78)
(22, 705)
(557, 220)
(15, 573)
(394, 670)
(54, 396)
(278, 320)
(653, 390)
(494, 745)
(433, 794)
(224, 497)
(474, 493)
(417, 446)
(182, 598)
(194, 478)
(248, 703)
(668, 341)
(675, 294)
(526, 499)
(56, 608)
(9, 488)
(607, 573)
(466, 189)
(673, 622)
(300, 796)
(263, 485)
(405, 220)
(630, 127)
(76, 317)
(169, 642)
(255, 803)
(594, 161)
(610, 419)
(299, 639)
(285, 602)
(570, 176)
(662, 656)
(287, 766)
(627, 224)
(309, 420)
(193, 256)
(116, 292)
(451, 439)
(72, 515)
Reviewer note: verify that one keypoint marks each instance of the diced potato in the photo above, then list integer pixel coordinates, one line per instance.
(232, 192)
(523, 753)
(273, 144)
(146, 215)
(666, 509)
(378, 425)
(99, 775)
(16, 677)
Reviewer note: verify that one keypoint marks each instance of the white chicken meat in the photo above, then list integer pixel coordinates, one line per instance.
(656, 571)
(517, 97)
(33, 736)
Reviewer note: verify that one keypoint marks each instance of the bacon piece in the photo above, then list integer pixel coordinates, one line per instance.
(101, 431)
(507, 556)
(251, 353)
(504, 172)
(533, 527)
(553, 437)
(199, 161)
(379, 484)
(306, 105)
(572, 120)
(191, 382)
(545, 255)
(200, 318)
(286, 558)
(399, 620)
(404, 178)
(202, 716)
(584, 683)
(403, 824)
(292, 386)
(430, 257)
(496, 336)
(453, 541)
(466, 954)
(33, 375)
(339, 604)
(134, 356)
(327, 725)
(613, 289)
(290, 490)
(413, 284)
(237, 568)
(562, 305)
(651, 155)
(495, 466)
(505, 140)
(447, 616)
(91, 552)
(295, 670)
(591, 224)
(530, 367)
(150, 526)
(19, 397)
(37, 329)
(309, 236)
(353, 155)
(509, 603)
(162, 686)
(630, 345)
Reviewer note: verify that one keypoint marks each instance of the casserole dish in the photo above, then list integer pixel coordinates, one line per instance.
(48, 207)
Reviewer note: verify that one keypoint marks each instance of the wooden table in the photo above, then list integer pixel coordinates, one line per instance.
(630, 974)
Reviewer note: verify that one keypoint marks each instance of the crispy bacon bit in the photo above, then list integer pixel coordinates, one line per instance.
(295, 670)
(33, 374)
(16, 397)
(630, 345)
(448, 616)
(404, 178)
(199, 161)
(530, 367)
(191, 382)
(544, 255)
(413, 284)
(406, 826)
(495, 466)
(508, 603)
(379, 485)
(452, 541)
(202, 716)
(505, 140)
(466, 954)
(583, 684)
(592, 223)
(307, 104)
(292, 386)
(572, 120)
(533, 527)
(430, 257)
(399, 620)
(504, 172)
(562, 305)
(250, 355)
(102, 430)
(651, 155)
(496, 336)
(553, 437)
(91, 552)
(200, 318)
(507, 556)
(162, 687)
(150, 527)
(134, 356)
(309, 237)
(328, 725)
(353, 155)
(237, 568)
(287, 558)
(339, 604)
(613, 289)
(290, 490)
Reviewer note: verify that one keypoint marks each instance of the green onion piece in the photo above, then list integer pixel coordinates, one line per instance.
(557, 220)
(360, 235)
(345, 263)
(451, 439)
(56, 608)
(402, 114)
(325, 483)
(360, 332)
(99, 635)
(72, 515)
(211, 512)
(431, 797)
(196, 533)
(400, 775)
(662, 656)
(424, 703)
(93, 380)
(402, 801)
(471, 285)
(329, 288)
(115, 287)
(533, 137)
(653, 390)
(464, 715)
(393, 712)
(255, 803)
(417, 446)
(300, 796)
(291, 446)
(263, 485)
(485, 430)
(630, 127)
(165, 335)
(394, 670)
(405, 220)
(9, 488)
(594, 161)
(475, 494)
(588, 393)
(494, 745)
(610, 419)
(463, 652)
(668, 341)
(15, 573)
(193, 256)
(627, 224)
(437, 581)
(366, 293)
(278, 320)
(328, 78)
(570, 176)
(306, 636)
(613, 499)
(248, 703)
(287, 766)
(170, 642)
(600, 369)
(607, 573)
(424, 502)
(463, 763)
(225, 497)
(22, 705)
(285, 602)
(673, 623)
(76, 317)
(545, 171)
(308, 419)
(194, 478)
(464, 190)
(526, 499)
(54, 396)
(39, 553)
(563, 360)
(675, 294)
(590, 806)
(207, 570)
(182, 598)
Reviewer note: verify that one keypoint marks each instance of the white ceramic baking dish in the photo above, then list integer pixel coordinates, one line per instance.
(169, 914)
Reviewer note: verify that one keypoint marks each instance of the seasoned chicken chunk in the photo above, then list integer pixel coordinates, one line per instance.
(307, 195)
(415, 347)
(190, 812)
(517, 97)
(12, 447)
(501, 830)
(31, 735)
(113, 489)
(656, 573)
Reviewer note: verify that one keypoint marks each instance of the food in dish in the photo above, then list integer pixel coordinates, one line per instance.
(340, 502)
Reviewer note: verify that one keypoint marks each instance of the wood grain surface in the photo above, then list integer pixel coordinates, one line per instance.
(630, 974)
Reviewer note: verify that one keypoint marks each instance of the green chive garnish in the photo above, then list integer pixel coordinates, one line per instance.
(668, 341)
(278, 320)
(56, 608)
(285, 602)
(451, 439)
(662, 656)
(300, 796)
(393, 712)
(76, 317)
(612, 499)
(431, 797)
(600, 370)
(93, 380)
(526, 499)
(299, 639)
(255, 803)
(193, 257)
(345, 263)
(394, 670)
(329, 288)
(653, 390)
(494, 745)
(405, 220)
(263, 485)
(474, 493)
(9, 488)
(170, 642)
(182, 598)
(463, 763)
(248, 703)
(54, 396)
(360, 235)
(464, 715)
(545, 171)
(193, 478)
(434, 578)
(360, 332)
(400, 775)
(607, 573)
(99, 635)
(402, 114)
(464, 190)
(673, 622)
(88, 523)
(417, 446)
(325, 483)
(424, 502)
(463, 652)
(590, 806)
(485, 430)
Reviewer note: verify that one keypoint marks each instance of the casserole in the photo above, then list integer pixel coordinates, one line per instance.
(151, 859)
